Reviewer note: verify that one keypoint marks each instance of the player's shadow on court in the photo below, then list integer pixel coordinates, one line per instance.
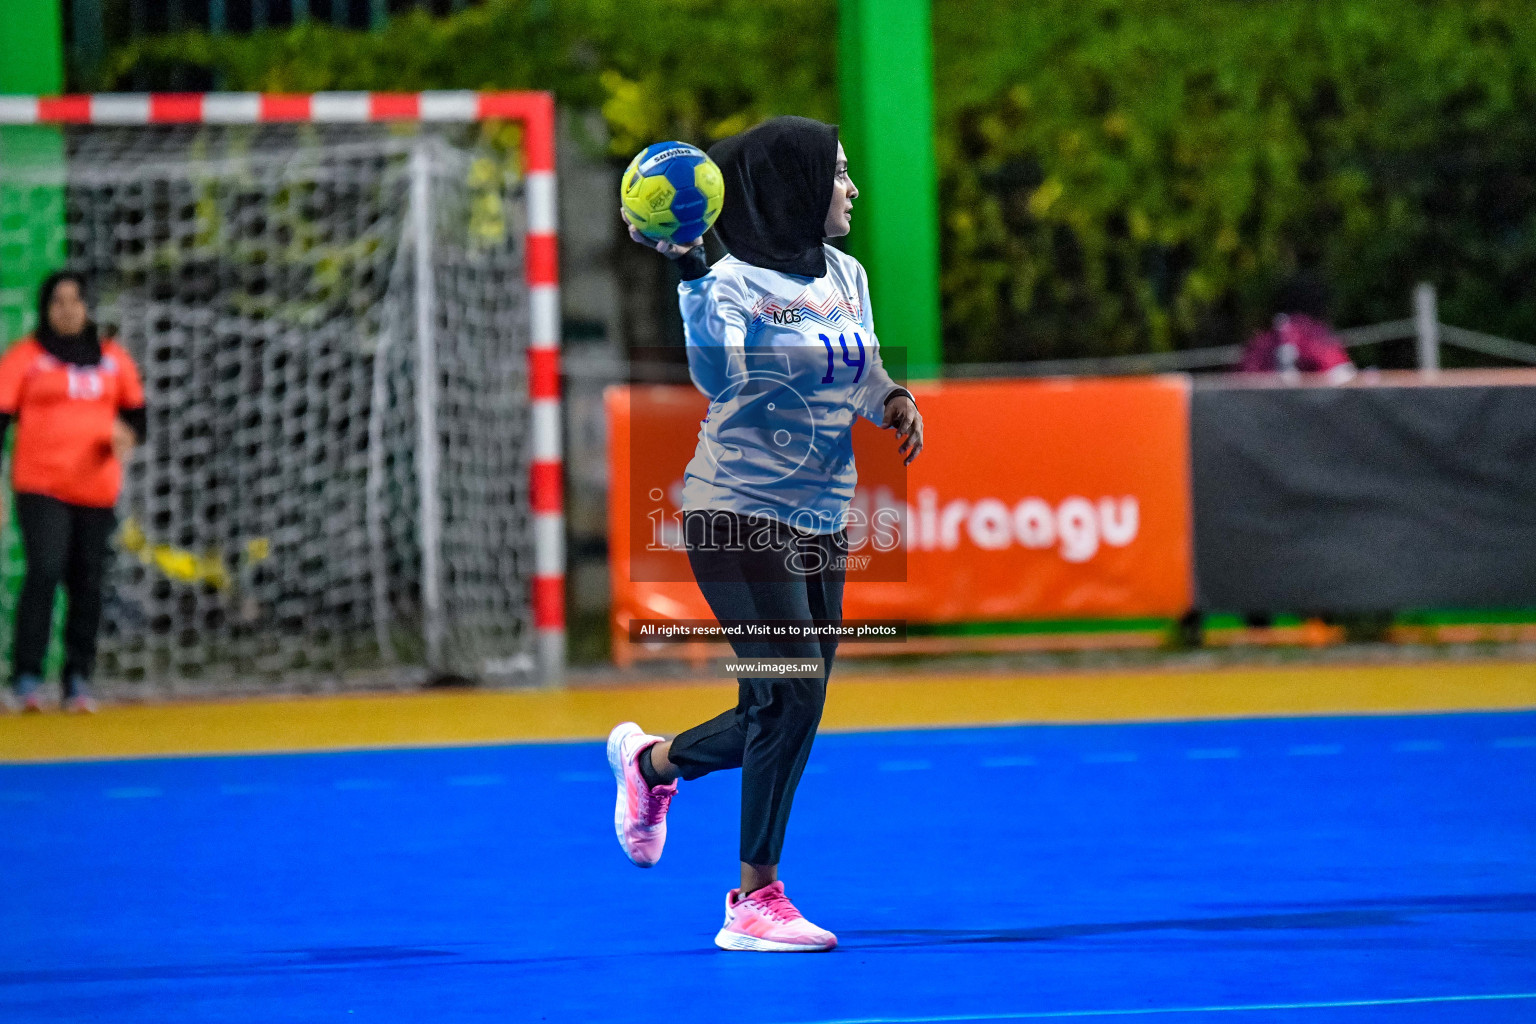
(1332, 915)
(1326, 915)
(269, 962)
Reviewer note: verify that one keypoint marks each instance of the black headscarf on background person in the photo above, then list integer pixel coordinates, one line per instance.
(83, 349)
(778, 188)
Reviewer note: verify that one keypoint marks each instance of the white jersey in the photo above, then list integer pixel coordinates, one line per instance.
(787, 362)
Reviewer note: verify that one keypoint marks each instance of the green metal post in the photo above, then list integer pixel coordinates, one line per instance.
(885, 73)
(31, 215)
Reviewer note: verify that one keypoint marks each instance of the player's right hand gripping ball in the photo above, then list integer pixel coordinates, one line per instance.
(672, 191)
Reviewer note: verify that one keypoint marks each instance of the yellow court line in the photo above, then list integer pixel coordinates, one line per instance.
(854, 703)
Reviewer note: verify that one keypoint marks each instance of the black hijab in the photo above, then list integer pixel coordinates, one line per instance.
(778, 187)
(83, 349)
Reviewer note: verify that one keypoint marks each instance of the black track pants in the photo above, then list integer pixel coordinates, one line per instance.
(63, 543)
(768, 734)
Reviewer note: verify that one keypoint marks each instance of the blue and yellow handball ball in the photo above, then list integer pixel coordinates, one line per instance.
(672, 191)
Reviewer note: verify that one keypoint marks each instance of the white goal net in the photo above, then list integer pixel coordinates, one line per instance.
(332, 324)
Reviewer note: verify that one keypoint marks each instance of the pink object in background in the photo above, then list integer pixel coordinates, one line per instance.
(1297, 344)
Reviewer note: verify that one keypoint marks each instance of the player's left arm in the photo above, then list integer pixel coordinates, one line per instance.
(880, 399)
(13, 378)
(132, 419)
(13, 375)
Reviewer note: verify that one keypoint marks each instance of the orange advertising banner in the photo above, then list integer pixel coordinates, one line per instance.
(1033, 499)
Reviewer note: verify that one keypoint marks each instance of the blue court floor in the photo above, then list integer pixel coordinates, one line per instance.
(1345, 869)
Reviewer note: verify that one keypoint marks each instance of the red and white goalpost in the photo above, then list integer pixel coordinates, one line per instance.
(260, 233)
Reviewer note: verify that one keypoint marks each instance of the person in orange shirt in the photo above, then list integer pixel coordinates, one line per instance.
(78, 404)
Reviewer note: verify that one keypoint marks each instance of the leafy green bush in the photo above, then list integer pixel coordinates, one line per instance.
(692, 69)
(1116, 175)
(1126, 175)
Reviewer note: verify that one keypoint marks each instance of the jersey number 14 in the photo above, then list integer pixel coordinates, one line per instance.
(843, 344)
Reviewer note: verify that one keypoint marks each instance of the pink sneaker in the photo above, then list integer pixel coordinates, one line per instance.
(767, 922)
(80, 704)
(640, 815)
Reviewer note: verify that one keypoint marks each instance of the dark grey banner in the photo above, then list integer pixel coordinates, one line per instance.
(1364, 498)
